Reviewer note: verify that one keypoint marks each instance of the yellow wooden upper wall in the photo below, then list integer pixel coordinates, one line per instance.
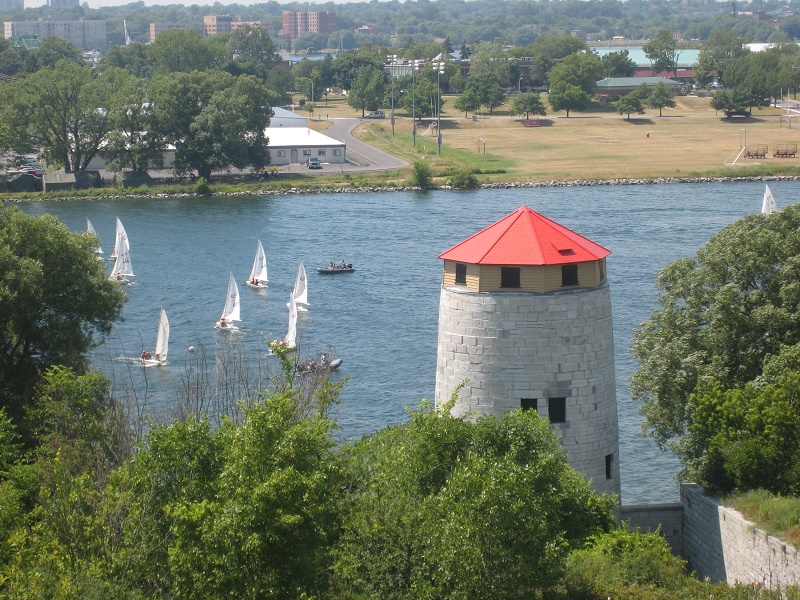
(546, 278)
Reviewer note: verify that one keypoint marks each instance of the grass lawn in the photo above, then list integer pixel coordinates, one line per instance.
(689, 140)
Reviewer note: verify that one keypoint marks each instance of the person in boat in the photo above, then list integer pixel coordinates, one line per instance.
(332, 266)
(323, 359)
(342, 265)
(223, 323)
(254, 281)
(146, 355)
(119, 277)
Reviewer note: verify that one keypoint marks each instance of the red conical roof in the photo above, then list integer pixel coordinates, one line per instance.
(525, 238)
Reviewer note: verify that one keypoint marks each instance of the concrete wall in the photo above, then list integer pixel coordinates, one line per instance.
(512, 346)
(649, 517)
(718, 542)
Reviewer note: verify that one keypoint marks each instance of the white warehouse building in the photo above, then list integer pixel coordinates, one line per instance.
(293, 145)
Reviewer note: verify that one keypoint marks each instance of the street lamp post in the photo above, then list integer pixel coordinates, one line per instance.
(439, 72)
(414, 66)
(392, 62)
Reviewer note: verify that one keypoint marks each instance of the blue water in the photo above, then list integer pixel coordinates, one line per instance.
(382, 319)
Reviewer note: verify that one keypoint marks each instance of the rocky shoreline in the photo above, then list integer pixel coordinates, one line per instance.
(486, 186)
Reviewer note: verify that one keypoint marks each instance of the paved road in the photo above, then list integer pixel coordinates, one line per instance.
(361, 156)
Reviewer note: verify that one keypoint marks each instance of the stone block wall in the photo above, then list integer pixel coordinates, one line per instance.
(511, 346)
(649, 517)
(718, 542)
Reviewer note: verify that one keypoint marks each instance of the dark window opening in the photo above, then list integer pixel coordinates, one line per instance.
(602, 270)
(509, 277)
(609, 463)
(557, 407)
(569, 275)
(529, 404)
(461, 274)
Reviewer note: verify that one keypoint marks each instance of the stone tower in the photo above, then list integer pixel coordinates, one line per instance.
(525, 318)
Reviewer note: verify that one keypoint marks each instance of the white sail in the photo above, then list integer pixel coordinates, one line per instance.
(290, 341)
(90, 230)
(122, 265)
(300, 293)
(258, 274)
(162, 340)
(768, 206)
(121, 234)
(231, 310)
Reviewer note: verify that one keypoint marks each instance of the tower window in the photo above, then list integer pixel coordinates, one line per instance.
(602, 270)
(557, 408)
(569, 275)
(609, 464)
(529, 404)
(509, 277)
(461, 274)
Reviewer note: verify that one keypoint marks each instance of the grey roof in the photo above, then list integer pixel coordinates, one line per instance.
(633, 82)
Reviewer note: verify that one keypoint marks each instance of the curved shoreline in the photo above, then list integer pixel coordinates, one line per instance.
(487, 186)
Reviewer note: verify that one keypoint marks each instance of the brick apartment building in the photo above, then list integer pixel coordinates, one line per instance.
(296, 23)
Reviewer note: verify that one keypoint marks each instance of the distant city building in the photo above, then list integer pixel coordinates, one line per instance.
(86, 35)
(366, 29)
(156, 28)
(296, 23)
(12, 4)
(216, 24)
(63, 3)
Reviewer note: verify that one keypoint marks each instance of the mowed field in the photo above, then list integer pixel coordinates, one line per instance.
(689, 140)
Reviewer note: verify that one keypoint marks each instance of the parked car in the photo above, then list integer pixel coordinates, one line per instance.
(375, 114)
(31, 169)
(313, 163)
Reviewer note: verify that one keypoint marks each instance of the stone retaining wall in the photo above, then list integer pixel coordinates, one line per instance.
(649, 517)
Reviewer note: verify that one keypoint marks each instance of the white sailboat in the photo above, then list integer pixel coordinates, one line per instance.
(90, 230)
(123, 268)
(768, 206)
(159, 357)
(258, 274)
(230, 313)
(289, 342)
(300, 292)
(120, 234)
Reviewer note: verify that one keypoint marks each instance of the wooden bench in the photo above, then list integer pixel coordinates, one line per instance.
(785, 151)
(757, 151)
(531, 123)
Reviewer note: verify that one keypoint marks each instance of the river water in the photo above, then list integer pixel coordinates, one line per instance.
(382, 319)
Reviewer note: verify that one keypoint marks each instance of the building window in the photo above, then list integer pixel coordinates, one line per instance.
(461, 274)
(569, 275)
(609, 464)
(557, 409)
(529, 404)
(509, 277)
(306, 152)
(337, 152)
(602, 270)
(320, 152)
(281, 153)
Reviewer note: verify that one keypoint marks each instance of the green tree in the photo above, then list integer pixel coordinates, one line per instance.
(629, 103)
(51, 50)
(582, 70)
(662, 53)
(618, 64)
(661, 97)
(218, 120)
(54, 299)
(528, 103)
(422, 175)
(181, 51)
(719, 50)
(347, 66)
(470, 100)
(368, 89)
(251, 45)
(721, 313)
(132, 58)
(134, 142)
(549, 50)
(69, 113)
(729, 100)
(564, 96)
(447, 508)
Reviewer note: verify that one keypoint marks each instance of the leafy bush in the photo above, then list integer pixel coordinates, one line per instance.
(202, 187)
(422, 175)
(464, 180)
